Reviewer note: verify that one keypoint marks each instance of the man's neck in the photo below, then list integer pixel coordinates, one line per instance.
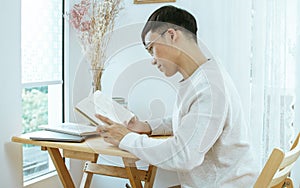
(191, 60)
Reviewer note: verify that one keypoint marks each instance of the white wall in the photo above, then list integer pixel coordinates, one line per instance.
(225, 26)
(10, 95)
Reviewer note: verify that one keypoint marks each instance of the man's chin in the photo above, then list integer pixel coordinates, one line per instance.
(167, 74)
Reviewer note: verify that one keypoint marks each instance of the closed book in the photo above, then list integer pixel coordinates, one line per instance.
(55, 137)
(71, 128)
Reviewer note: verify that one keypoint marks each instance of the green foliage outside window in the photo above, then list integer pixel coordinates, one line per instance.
(35, 108)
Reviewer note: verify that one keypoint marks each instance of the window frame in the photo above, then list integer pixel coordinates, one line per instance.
(64, 90)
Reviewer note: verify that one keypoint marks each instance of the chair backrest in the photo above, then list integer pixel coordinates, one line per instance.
(278, 166)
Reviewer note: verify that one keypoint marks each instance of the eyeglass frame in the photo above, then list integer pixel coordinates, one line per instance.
(149, 46)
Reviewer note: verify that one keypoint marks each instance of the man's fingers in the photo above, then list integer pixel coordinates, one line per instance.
(133, 120)
(104, 119)
(101, 128)
(103, 131)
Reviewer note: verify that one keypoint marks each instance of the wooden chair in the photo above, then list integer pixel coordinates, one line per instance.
(276, 171)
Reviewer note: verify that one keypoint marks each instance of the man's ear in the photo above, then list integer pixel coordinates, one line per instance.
(173, 34)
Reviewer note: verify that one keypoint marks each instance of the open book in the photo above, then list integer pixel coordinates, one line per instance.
(98, 103)
(71, 128)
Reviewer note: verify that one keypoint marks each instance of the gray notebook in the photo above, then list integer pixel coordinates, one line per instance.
(55, 137)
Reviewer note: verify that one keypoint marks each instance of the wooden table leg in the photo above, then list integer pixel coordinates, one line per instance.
(150, 176)
(87, 177)
(132, 172)
(86, 180)
(61, 168)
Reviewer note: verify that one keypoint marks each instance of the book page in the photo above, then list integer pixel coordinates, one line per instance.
(98, 103)
(86, 108)
(111, 109)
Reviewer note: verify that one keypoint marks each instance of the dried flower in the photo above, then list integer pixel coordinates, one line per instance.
(93, 21)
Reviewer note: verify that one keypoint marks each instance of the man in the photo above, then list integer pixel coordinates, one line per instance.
(210, 146)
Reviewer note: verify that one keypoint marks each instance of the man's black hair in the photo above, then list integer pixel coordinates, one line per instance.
(167, 16)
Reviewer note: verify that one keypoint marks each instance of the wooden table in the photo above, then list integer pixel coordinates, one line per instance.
(89, 151)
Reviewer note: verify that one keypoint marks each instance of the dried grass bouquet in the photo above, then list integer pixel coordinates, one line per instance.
(94, 21)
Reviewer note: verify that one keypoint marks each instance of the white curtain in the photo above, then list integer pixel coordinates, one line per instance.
(273, 62)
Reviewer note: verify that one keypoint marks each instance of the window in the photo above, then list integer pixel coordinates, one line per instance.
(42, 76)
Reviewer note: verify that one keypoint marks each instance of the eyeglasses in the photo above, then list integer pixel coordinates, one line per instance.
(149, 46)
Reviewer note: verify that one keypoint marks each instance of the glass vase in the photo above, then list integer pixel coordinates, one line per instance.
(96, 78)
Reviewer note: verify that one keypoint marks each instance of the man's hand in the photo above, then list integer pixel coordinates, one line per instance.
(112, 132)
(138, 126)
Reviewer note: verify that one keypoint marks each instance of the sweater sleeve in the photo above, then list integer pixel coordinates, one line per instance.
(161, 126)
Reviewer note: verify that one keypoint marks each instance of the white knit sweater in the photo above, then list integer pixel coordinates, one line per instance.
(210, 146)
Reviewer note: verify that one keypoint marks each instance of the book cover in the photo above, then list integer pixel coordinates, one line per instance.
(98, 103)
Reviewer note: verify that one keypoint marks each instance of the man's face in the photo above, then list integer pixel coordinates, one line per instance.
(158, 45)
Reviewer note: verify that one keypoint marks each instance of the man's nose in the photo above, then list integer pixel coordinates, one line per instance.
(154, 61)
